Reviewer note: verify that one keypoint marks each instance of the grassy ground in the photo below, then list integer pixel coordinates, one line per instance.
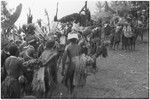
(123, 74)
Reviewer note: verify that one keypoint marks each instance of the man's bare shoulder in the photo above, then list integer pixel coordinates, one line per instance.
(67, 46)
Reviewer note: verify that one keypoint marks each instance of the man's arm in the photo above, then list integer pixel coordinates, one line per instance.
(21, 60)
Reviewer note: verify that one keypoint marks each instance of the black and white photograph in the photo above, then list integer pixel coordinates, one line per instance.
(74, 49)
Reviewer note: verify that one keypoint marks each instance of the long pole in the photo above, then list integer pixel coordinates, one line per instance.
(57, 9)
(47, 19)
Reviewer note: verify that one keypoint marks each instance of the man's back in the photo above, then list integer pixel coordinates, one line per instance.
(74, 49)
(13, 66)
(4, 56)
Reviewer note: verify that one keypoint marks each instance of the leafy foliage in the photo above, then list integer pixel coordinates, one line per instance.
(133, 9)
(8, 19)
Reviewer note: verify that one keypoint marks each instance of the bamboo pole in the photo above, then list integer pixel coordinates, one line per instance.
(57, 9)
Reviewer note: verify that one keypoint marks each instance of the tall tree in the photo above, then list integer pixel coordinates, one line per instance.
(104, 12)
(138, 9)
(121, 7)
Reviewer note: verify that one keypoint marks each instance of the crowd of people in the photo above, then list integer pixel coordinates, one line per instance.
(125, 31)
(30, 66)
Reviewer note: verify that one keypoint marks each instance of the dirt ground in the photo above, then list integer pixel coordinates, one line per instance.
(123, 74)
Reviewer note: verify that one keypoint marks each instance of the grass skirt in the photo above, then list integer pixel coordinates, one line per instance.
(80, 70)
(10, 88)
(38, 83)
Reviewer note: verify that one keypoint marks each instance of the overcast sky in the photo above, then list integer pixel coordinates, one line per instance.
(37, 8)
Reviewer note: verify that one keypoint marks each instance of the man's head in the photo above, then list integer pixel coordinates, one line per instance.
(50, 44)
(13, 50)
(73, 40)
